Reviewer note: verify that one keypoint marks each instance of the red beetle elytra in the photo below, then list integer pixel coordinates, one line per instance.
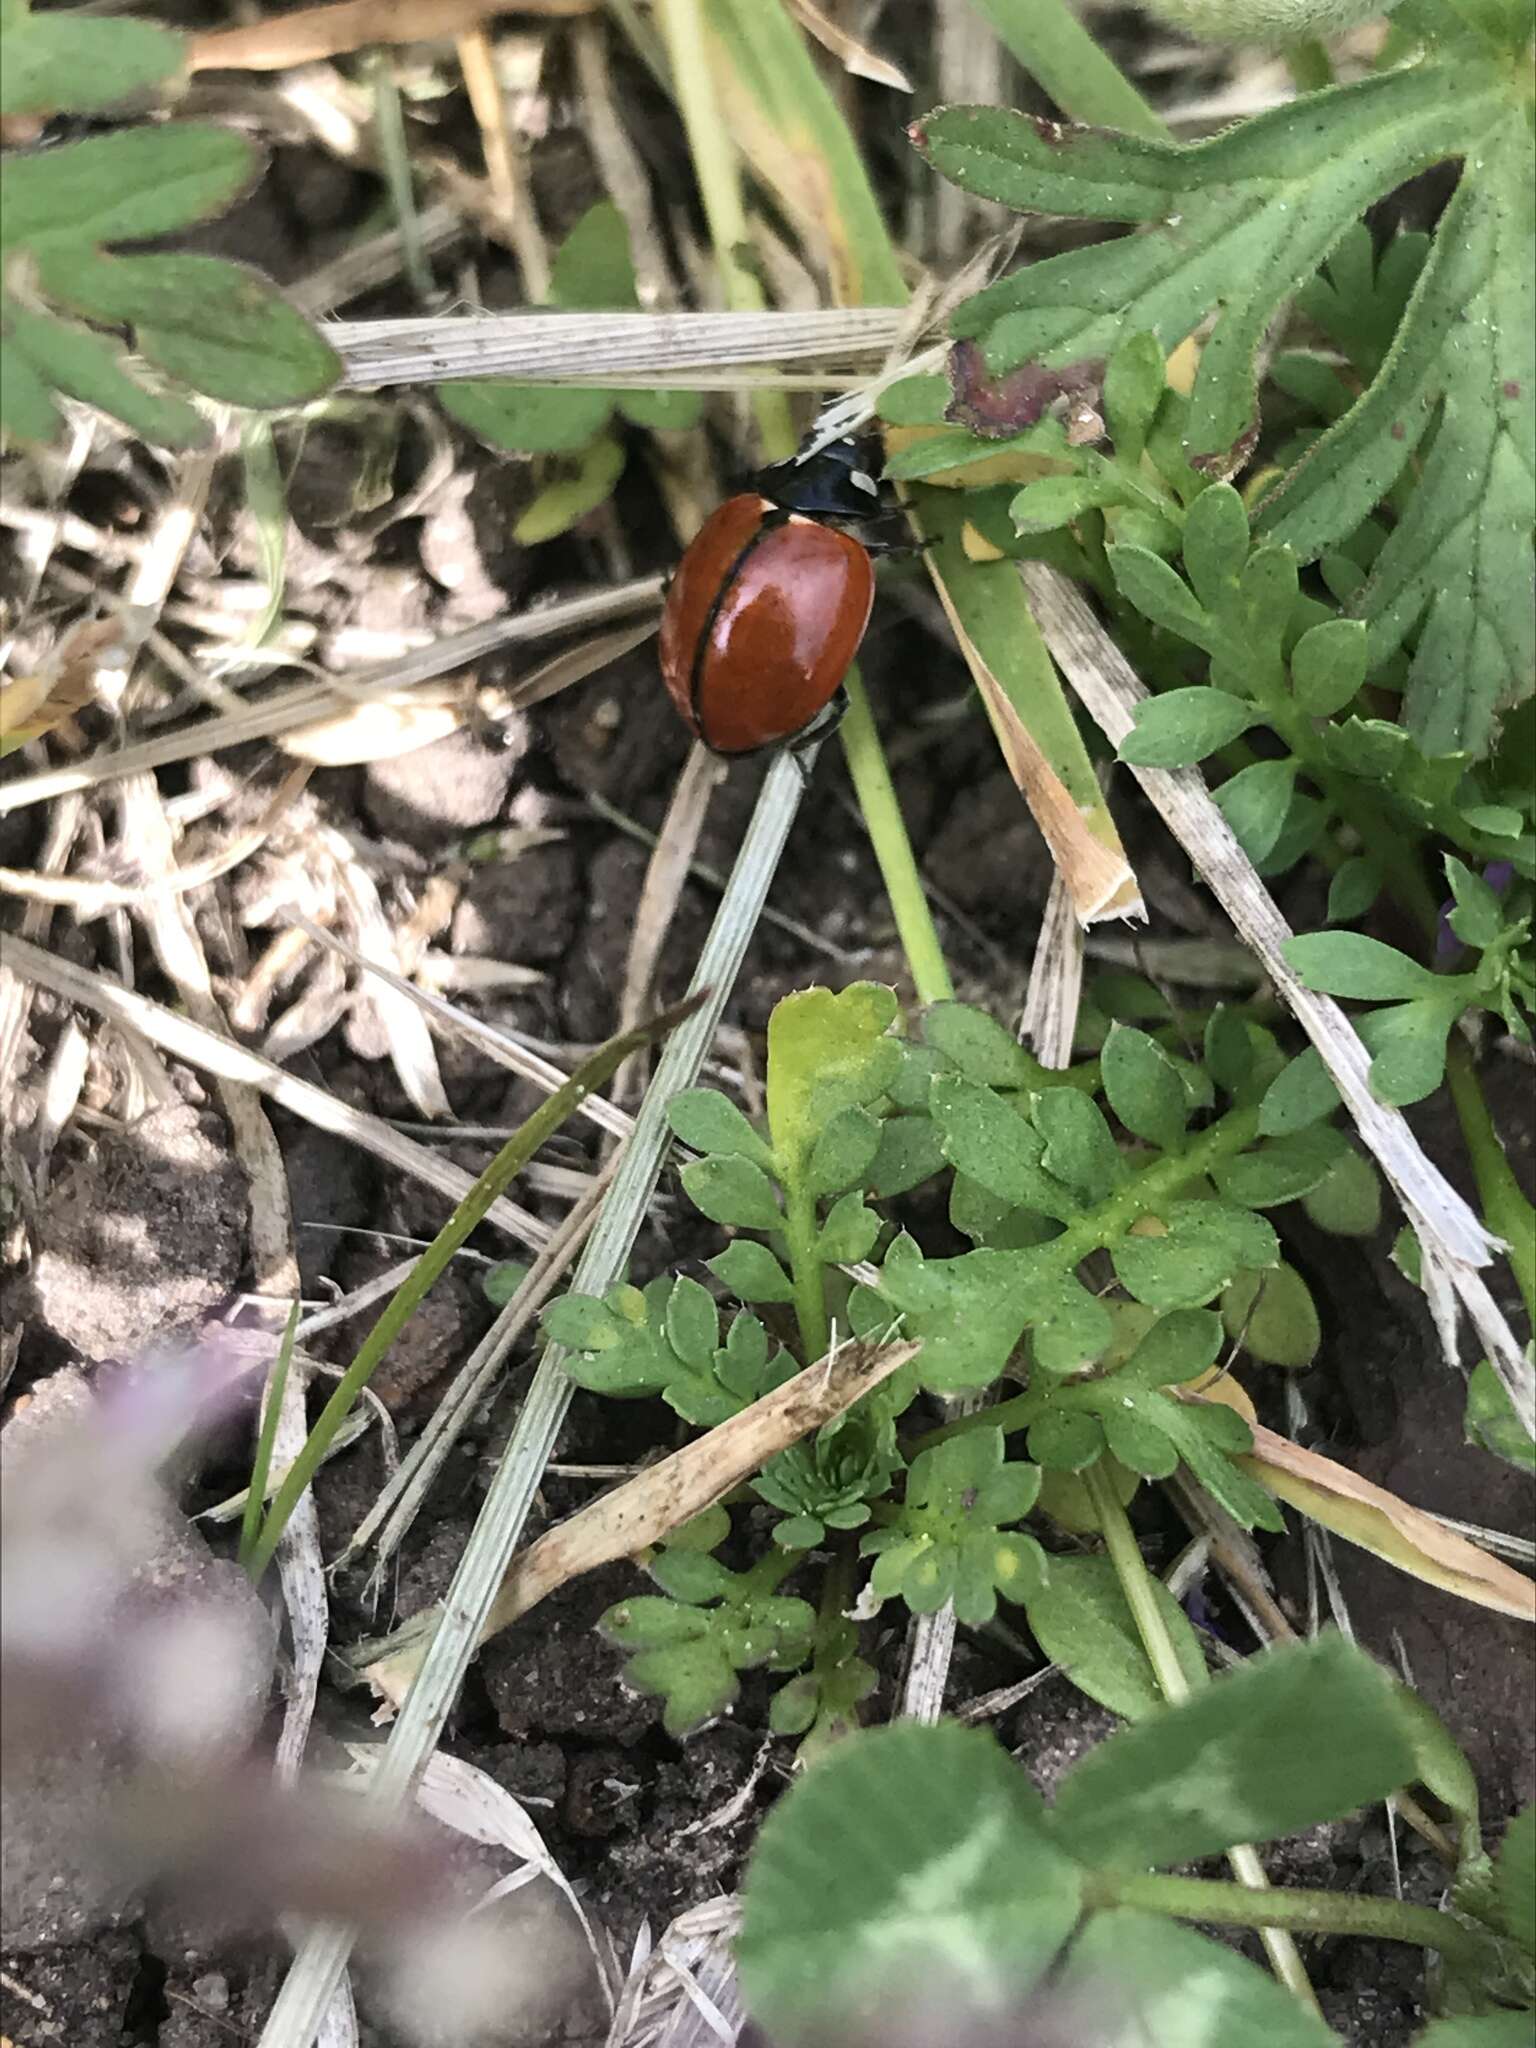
(769, 604)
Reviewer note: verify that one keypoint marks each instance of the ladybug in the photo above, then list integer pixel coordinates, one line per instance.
(769, 603)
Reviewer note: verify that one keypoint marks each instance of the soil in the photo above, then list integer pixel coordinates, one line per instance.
(139, 1237)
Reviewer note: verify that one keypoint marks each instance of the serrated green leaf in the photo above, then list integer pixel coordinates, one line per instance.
(923, 1843)
(647, 1622)
(1302, 1093)
(849, 1233)
(1180, 727)
(1463, 369)
(56, 62)
(1255, 802)
(968, 1312)
(1273, 1317)
(1301, 1734)
(1241, 221)
(1143, 1086)
(1353, 964)
(1478, 917)
(825, 1053)
(732, 1191)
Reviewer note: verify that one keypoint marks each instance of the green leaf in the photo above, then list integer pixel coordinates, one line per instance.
(1492, 1422)
(1302, 1093)
(693, 1324)
(26, 410)
(1273, 1317)
(125, 187)
(1488, 2030)
(1160, 594)
(1463, 371)
(81, 364)
(1353, 890)
(1178, 1347)
(1069, 1327)
(1064, 1441)
(1135, 379)
(732, 1191)
(967, 1312)
(1255, 802)
(1056, 501)
(1150, 1983)
(909, 1153)
(711, 1122)
(1517, 1878)
(1180, 727)
(1206, 1245)
(751, 1272)
(691, 1576)
(530, 419)
(1216, 544)
(579, 485)
(58, 63)
(1407, 1043)
(849, 1233)
(826, 1052)
(843, 1151)
(1348, 1202)
(978, 1046)
(1239, 222)
(592, 269)
(1080, 1149)
(925, 1844)
(1351, 964)
(1282, 1170)
(1328, 665)
(218, 326)
(1478, 917)
(1142, 1084)
(986, 1139)
(1301, 1734)
(1081, 1621)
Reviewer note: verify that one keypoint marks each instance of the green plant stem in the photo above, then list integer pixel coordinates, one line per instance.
(1301, 1912)
(266, 1437)
(876, 795)
(466, 1218)
(395, 159)
(1505, 1209)
(715, 166)
(805, 1269)
(1136, 1584)
(771, 1570)
(1056, 50)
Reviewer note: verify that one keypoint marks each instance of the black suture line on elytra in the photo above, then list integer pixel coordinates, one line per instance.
(771, 522)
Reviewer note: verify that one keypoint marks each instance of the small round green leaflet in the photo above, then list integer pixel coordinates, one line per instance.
(1273, 1317)
(907, 1858)
(1082, 1621)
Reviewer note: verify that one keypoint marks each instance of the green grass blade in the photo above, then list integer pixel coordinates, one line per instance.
(1058, 52)
(261, 1461)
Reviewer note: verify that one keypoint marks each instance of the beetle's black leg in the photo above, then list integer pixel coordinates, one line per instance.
(821, 727)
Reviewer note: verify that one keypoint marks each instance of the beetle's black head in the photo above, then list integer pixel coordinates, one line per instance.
(840, 481)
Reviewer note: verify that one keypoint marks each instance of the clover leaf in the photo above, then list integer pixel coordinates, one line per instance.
(949, 1542)
(207, 323)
